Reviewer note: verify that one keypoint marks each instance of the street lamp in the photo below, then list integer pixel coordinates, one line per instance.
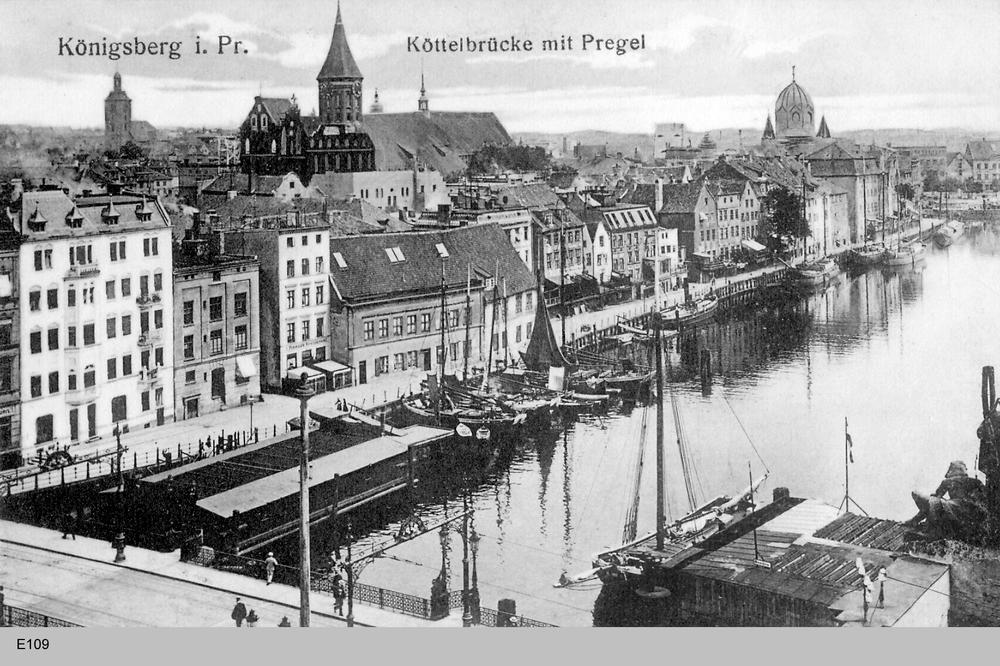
(350, 577)
(303, 393)
(474, 592)
(466, 614)
(120, 535)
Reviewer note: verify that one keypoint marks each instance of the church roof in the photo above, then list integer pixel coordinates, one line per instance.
(768, 129)
(339, 61)
(440, 139)
(276, 107)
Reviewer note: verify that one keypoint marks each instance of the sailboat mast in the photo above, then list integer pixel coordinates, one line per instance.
(493, 326)
(562, 276)
(468, 322)
(661, 499)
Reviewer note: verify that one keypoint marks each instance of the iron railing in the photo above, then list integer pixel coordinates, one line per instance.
(20, 617)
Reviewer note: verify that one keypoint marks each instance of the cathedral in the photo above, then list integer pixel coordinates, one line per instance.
(276, 138)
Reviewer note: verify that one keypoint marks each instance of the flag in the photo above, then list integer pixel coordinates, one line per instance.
(850, 448)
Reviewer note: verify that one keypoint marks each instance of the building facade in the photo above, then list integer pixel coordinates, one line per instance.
(10, 357)
(216, 325)
(96, 342)
(117, 117)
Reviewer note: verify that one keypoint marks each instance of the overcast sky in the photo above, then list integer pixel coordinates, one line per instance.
(709, 64)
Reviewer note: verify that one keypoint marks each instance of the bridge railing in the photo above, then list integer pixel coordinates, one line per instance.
(13, 616)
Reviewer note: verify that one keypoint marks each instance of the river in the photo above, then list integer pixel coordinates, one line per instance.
(898, 353)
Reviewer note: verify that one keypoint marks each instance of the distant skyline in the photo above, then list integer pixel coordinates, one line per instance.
(921, 64)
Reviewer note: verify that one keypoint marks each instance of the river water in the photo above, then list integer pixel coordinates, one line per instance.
(898, 353)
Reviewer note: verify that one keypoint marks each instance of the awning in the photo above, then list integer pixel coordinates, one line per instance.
(752, 245)
(246, 366)
(330, 366)
(296, 373)
(5, 287)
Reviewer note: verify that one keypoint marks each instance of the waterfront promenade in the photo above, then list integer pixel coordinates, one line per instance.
(78, 582)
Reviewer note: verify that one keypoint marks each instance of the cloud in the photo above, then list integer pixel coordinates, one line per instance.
(219, 24)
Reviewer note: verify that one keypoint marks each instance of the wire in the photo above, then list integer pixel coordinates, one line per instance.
(754, 446)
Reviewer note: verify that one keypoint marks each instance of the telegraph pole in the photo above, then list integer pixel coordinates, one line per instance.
(303, 393)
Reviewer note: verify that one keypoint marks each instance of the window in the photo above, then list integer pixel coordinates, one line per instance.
(126, 365)
(411, 359)
(214, 308)
(111, 328)
(119, 408)
(158, 355)
(43, 429)
(144, 286)
(399, 361)
(35, 301)
(215, 339)
(454, 319)
(319, 264)
(290, 299)
(145, 247)
(53, 334)
(383, 328)
(114, 251)
(88, 334)
(144, 359)
(305, 331)
(290, 332)
(319, 294)
(145, 401)
(321, 353)
(36, 386)
(397, 325)
(157, 281)
(425, 322)
(126, 286)
(189, 377)
(52, 298)
(291, 361)
(381, 365)
(121, 250)
(319, 327)
(38, 260)
(517, 334)
(188, 347)
(71, 298)
(112, 368)
(305, 267)
(305, 297)
(126, 324)
(319, 238)
(48, 258)
(290, 241)
(411, 324)
(517, 304)
(109, 289)
(188, 313)
(241, 337)
(36, 342)
(6, 374)
(143, 323)
(369, 333)
(53, 382)
(72, 336)
(290, 268)
(240, 304)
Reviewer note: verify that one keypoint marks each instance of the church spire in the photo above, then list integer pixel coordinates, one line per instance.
(423, 104)
(339, 81)
(824, 131)
(768, 130)
(339, 62)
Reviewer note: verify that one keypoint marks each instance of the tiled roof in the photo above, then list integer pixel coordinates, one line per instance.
(681, 198)
(238, 182)
(369, 274)
(980, 150)
(55, 207)
(276, 107)
(532, 196)
(440, 139)
(339, 61)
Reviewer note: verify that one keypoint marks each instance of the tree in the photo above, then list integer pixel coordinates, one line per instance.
(782, 218)
(971, 185)
(905, 191)
(132, 151)
(932, 183)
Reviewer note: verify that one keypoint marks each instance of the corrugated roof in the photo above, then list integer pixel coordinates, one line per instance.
(370, 274)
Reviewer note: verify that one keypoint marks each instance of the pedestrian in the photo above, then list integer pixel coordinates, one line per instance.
(252, 618)
(239, 612)
(269, 565)
(339, 593)
(69, 525)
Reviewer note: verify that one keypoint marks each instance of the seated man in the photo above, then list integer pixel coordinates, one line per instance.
(962, 513)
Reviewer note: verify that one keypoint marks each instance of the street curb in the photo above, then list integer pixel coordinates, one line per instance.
(191, 582)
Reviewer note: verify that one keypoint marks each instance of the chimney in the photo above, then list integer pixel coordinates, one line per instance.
(18, 186)
(659, 196)
(780, 494)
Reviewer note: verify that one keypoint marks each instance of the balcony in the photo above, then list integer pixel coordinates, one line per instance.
(150, 377)
(82, 272)
(81, 396)
(145, 301)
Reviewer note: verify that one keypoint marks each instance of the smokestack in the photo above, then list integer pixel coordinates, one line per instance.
(659, 195)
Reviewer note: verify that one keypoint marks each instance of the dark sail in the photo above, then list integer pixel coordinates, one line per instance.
(543, 351)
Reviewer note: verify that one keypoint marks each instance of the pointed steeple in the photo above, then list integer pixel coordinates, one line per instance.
(824, 131)
(768, 130)
(339, 61)
(423, 104)
(376, 106)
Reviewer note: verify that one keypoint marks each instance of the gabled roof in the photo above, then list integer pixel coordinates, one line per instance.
(276, 108)
(339, 62)
(442, 139)
(532, 196)
(980, 150)
(681, 197)
(369, 273)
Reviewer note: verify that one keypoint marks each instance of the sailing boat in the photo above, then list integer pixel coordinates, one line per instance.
(903, 254)
(628, 562)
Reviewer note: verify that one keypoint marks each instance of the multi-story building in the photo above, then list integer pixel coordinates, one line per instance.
(691, 209)
(386, 308)
(985, 160)
(96, 342)
(10, 357)
(958, 167)
(597, 250)
(216, 328)
(932, 159)
(294, 251)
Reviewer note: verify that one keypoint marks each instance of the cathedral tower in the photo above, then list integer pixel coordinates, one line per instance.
(339, 82)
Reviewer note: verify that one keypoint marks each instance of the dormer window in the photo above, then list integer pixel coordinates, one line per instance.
(37, 221)
(144, 212)
(110, 214)
(74, 218)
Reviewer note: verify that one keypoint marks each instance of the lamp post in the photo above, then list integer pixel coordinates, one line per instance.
(120, 532)
(251, 419)
(303, 393)
(466, 614)
(474, 592)
(350, 578)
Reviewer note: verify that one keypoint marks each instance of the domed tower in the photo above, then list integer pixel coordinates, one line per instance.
(794, 114)
(117, 117)
(339, 82)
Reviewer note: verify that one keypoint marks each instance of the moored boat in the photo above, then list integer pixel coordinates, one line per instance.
(867, 255)
(691, 313)
(814, 273)
(949, 233)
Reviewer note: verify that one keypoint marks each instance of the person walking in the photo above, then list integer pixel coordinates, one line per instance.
(252, 618)
(269, 565)
(239, 612)
(69, 525)
(339, 594)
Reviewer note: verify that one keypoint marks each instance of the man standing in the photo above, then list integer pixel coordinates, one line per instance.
(239, 612)
(269, 565)
(69, 525)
